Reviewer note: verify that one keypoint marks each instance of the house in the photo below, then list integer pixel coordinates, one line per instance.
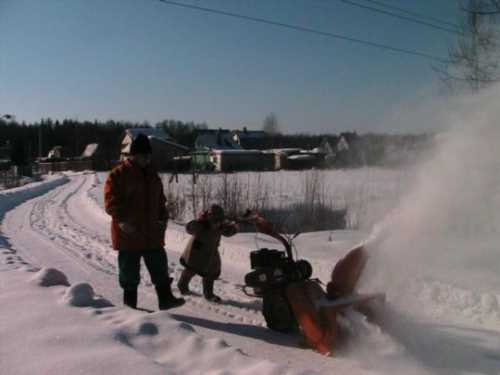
(201, 161)
(164, 147)
(95, 156)
(306, 159)
(348, 150)
(219, 139)
(55, 153)
(327, 149)
(250, 139)
(281, 155)
(296, 158)
(241, 160)
(131, 134)
(342, 144)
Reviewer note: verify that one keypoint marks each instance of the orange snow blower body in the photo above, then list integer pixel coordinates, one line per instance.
(309, 302)
(298, 300)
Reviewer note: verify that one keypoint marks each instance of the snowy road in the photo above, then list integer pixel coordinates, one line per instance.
(67, 229)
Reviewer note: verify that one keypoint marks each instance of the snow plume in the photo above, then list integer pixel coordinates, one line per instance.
(441, 244)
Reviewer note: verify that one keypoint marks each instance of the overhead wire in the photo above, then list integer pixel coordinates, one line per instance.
(412, 13)
(406, 18)
(305, 30)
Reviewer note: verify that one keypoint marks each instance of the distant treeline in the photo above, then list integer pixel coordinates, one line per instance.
(30, 140)
(27, 141)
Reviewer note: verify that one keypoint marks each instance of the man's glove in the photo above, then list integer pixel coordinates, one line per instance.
(126, 228)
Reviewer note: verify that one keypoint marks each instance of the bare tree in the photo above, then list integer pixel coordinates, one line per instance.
(473, 59)
(271, 124)
(490, 7)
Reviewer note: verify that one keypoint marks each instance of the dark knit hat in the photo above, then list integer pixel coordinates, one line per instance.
(216, 212)
(140, 145)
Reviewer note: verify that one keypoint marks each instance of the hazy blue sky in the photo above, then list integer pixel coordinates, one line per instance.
(144, 60)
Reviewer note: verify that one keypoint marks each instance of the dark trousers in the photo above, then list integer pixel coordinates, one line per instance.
(129, 266)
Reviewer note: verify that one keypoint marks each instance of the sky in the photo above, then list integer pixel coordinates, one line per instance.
(144, 60)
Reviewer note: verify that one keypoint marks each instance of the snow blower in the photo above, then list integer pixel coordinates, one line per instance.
(273, 271)
(291, 299)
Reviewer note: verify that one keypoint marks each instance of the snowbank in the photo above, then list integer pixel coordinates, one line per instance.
(50, 277)
(97, 339)
(11, 198)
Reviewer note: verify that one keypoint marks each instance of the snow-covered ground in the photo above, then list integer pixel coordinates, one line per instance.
(365, 193)
(434, 251)
(82, 328)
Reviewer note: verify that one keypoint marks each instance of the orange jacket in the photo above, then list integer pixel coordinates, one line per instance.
(135, 196)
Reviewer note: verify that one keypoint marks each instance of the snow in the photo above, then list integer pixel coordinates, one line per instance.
(94, 339)
(82, 294)
(50, 277)
(433, 250)
(367, 193)
(61, 229)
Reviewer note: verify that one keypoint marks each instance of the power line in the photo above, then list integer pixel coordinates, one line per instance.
(306, 30)
(413, 13)
(406, 18)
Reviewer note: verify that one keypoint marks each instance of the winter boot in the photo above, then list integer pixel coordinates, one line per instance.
(208, 290)
(130, 298)
(183, 283)
(166, 300)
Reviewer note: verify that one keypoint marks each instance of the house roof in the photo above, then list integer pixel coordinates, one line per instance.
(90, 150)
(286, 151)
(169, 142)
(126, 148)
(216, 139)
(250, 134)
(211, 131)
(237, 152)
(149, 132)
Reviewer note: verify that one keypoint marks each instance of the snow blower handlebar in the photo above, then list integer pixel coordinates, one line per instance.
(266, 227)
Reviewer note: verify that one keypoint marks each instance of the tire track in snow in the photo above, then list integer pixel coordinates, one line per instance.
(48, 217)
(66, 220)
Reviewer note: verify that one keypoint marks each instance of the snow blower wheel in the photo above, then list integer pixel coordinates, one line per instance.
(277, 312)
(273, 271)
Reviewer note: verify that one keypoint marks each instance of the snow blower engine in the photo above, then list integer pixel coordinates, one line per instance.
(273, 271)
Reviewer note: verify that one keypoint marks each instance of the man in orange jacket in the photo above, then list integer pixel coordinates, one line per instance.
(134, 198)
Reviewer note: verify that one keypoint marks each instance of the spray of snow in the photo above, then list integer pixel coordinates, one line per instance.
(440, 246)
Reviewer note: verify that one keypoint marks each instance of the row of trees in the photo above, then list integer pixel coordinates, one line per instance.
(25, 142)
